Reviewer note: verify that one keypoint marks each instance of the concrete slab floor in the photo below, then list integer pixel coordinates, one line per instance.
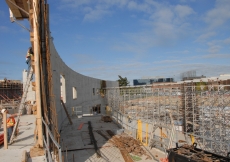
(76, 143)
(24, 141)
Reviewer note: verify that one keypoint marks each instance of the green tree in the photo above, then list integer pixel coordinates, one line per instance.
(123, 81)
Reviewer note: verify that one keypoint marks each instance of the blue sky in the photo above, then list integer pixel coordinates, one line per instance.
(131, 38)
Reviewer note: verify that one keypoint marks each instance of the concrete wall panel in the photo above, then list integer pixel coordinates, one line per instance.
(84, 86)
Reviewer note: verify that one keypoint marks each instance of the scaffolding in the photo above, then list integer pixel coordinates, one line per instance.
(10, 90)
(199, 110)
(10, 93)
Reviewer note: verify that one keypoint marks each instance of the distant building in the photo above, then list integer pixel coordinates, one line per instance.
(194, 77)
(151, 81)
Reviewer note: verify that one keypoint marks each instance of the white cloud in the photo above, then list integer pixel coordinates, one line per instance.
(219, 15)
(220, 56)
(179, 52)
(200, 68)
(227, 41)
(76, 4)
(185, 1)
(212, 69)
(205, 36)
(93, 10)
(214, 49)
(94, 15)
(166, 24)
(4, 29)
(144, 7)
(128, 69)
(86, 59)
(164, 14)
(183, 11)
(218, 46)
(166, 61)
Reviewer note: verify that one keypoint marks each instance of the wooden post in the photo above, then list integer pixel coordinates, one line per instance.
(39, 141)
(5, 131)
(67, 114)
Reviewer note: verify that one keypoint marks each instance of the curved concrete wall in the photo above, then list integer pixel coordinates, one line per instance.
(84, 86)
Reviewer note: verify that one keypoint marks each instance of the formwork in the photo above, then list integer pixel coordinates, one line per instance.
(163, 115)
(10, 89)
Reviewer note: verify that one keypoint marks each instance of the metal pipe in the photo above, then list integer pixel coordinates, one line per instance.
(54, 141)
(51, 135)
(21, 25)
(47, 148)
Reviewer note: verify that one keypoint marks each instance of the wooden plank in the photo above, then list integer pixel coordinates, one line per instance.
(14, 9)
(25, 5)
(24, 156)
(70, 121)
(122, 149)
(31, 17)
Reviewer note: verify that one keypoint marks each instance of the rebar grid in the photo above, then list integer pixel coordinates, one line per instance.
(202, 109)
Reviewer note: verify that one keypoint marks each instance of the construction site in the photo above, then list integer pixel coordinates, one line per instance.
(64, 116)
(10, 92)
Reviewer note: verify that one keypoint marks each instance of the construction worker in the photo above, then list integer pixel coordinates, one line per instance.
(10, 123)
(29, 54)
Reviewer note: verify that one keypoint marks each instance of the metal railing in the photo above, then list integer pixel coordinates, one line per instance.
(200, 110)
(49, 136)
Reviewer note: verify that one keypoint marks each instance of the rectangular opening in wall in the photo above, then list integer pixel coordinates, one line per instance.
(98, 91)
(103, 87)
(74, 93)
(93, 91)
(63, 88)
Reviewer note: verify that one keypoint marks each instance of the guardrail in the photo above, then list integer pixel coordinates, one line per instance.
(49, 136)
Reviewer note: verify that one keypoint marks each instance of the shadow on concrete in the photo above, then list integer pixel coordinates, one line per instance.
(76, 142)
(22, 139)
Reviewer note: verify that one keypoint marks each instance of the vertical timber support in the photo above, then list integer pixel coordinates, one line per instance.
(5, 131)
(39, 141)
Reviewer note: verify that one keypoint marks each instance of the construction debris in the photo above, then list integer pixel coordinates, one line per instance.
(193, 154)
(106, 118)
(36, 151)
(130, 145)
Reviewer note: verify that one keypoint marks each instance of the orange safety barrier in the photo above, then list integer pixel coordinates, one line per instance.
(80, 126)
